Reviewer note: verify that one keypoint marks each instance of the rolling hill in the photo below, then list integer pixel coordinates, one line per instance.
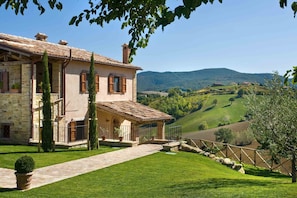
(160, 81)
(222, 112)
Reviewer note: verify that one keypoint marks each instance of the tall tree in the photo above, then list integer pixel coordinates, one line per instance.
(47, 129)
(274, 121)
(142, 17)
(93, 134)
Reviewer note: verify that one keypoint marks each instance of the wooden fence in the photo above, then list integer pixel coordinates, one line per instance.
(256, 157)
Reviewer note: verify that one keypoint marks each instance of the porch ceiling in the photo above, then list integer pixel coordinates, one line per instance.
(134, 111)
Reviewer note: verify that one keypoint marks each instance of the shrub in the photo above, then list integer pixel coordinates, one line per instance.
(244, 138)
(24, 164)
(224, 135)
(203, 126)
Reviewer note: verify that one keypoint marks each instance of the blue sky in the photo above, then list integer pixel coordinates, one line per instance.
(249, 36)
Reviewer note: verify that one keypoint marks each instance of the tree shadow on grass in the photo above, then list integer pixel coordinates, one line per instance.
(215, 183)
(264, 173)
(56, 151)
(209, 108)
(7, 189)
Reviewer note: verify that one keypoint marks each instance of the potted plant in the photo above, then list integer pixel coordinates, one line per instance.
(119, 132)
(24, 167)
(15, 88)
(103, 137)
(104, 131)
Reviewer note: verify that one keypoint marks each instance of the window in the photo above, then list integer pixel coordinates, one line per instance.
(5, 130)
(39, 76)
(84, 76)
(116, 84)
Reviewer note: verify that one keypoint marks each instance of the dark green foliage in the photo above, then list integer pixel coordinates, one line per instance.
(93, 135)
(203, 126)
(147, 99)
(240, 93)
(231, 100)
(175, 92)
(47, 129)
(177, 105)
(224, 135)
(21, 6)
(215, 102)
(24, 164)
(244, 138)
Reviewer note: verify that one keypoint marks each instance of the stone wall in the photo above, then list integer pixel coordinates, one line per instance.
(15, 107)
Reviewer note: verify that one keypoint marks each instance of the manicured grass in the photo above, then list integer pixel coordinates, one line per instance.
(9, 154)
(214, 115)
(166, 175)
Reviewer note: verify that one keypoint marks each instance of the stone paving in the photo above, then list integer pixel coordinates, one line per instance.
(58, 172)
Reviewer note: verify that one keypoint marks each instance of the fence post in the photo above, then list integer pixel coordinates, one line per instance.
(226, 145)
(255, 157)
(240, 157)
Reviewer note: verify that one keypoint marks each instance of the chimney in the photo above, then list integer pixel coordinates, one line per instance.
(41, 36)
(126, 53)
(63, 42)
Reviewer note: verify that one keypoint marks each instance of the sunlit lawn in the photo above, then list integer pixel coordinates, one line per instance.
(9, 154)
(167, 175)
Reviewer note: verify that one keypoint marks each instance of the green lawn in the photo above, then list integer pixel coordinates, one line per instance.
(214, 115)
(166, 175)
(9, 154)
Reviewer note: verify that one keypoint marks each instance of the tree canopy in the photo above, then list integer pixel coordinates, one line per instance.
(274, 121)
(141, 17)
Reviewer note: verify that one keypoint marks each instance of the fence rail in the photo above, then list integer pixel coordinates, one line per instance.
(256, 157)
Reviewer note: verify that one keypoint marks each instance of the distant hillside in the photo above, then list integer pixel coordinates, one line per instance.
(157, 81)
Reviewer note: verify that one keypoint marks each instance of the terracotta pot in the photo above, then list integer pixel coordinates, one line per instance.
(14, 91)
(121, 139)
(103, 138)
(23, 180)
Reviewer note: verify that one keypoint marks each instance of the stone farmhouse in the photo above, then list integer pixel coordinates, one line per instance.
(21, 74)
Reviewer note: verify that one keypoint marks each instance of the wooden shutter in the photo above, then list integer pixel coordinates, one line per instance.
(123, 84)
(110, 84)
(97, 82)
(5, 81)
(72, 131)
(83, 84)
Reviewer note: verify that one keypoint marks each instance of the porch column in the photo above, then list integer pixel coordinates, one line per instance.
(134, 129)
(161, 130)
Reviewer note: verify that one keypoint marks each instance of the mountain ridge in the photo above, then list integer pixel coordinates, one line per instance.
(162, 81)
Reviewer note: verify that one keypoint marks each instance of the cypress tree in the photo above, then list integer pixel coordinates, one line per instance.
(47, 130)
(93, 136)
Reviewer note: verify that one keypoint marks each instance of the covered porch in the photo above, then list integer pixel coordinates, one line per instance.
(123, 119)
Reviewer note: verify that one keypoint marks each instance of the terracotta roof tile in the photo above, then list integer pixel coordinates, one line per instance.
(33, 47)
(134, 111)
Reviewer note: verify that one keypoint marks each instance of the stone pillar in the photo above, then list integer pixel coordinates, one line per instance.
(26, 102)
(161, 130)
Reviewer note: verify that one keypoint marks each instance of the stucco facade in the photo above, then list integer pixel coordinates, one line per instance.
(21, 112)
